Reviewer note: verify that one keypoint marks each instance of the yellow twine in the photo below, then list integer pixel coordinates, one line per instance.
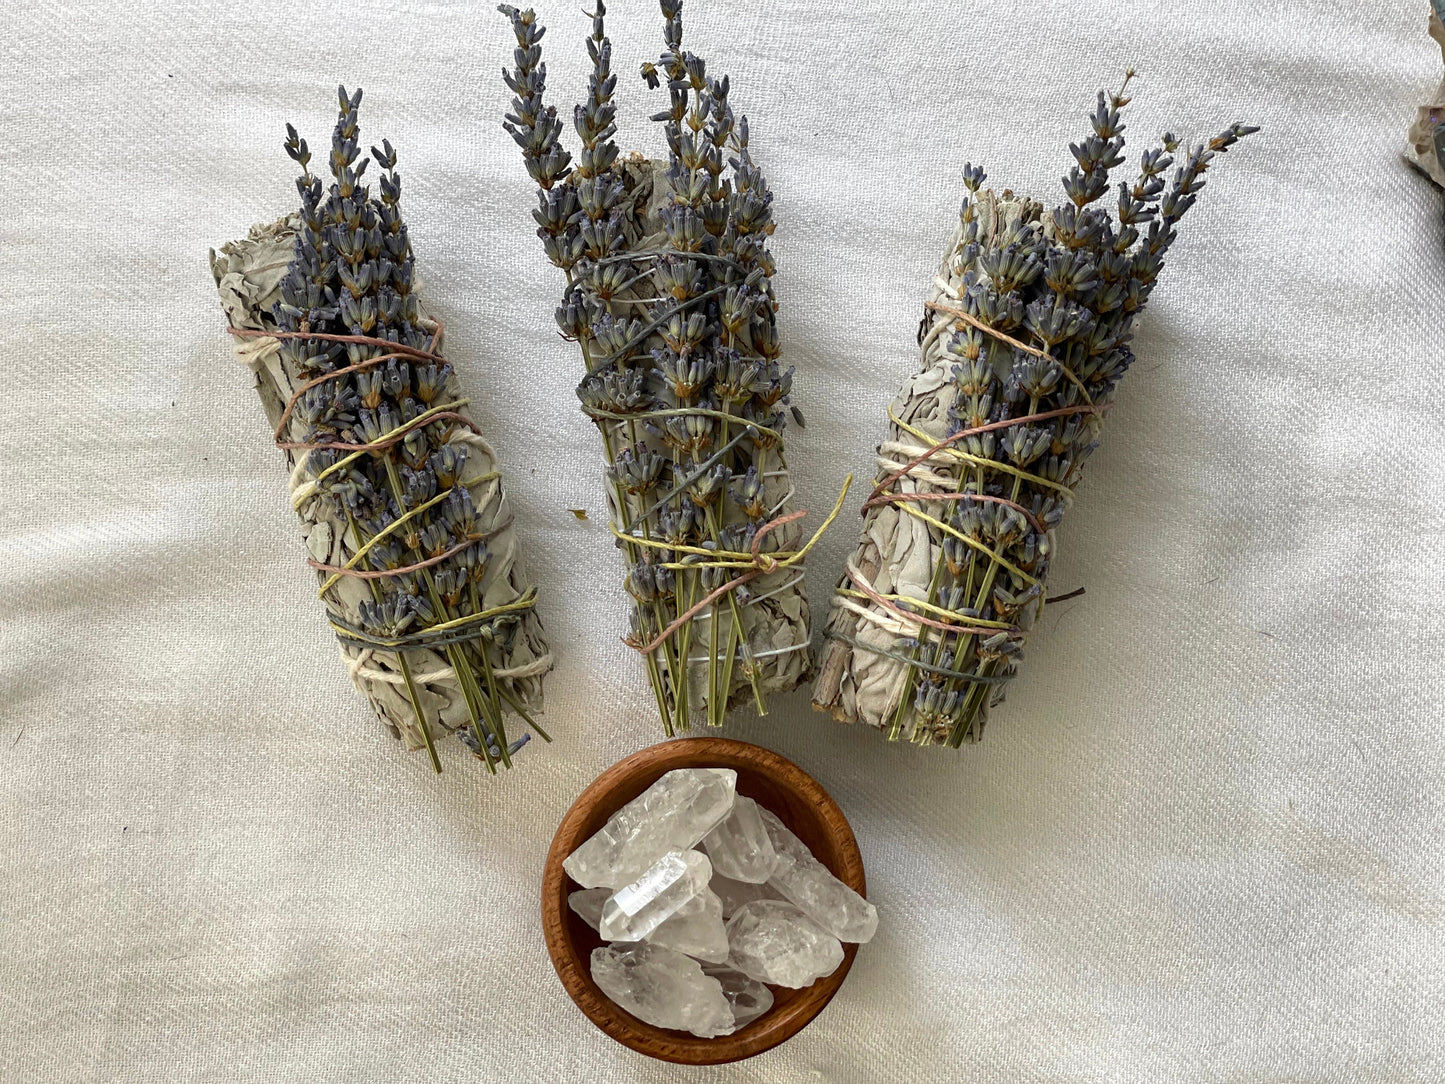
(997, 558)
(381, 535)
(991, 464)
(768, 562)
(973, 321)
(526, 602)
(928, 607)
(354, 456)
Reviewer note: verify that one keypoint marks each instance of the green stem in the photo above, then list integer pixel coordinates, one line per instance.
(978, 691)
(717, 698)
(431, 749)
(654, 675)
(411, 691)
(520, 710)
(750, 664)
(481, 647)
(905, 696)
(684, 596)
(620, 496)
(461, 666)
(714, 716)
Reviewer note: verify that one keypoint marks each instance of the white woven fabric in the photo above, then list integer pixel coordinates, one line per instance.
(1202, 840)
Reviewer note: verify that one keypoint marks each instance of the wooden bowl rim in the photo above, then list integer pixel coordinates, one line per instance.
(775, 1026)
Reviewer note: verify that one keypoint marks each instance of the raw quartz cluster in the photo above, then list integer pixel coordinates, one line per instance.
(707, 899)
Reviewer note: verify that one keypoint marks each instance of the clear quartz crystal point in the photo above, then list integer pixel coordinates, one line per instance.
(739, 847)
(803, 880)
(671, 815)
(696, 929)
(663, 988)
(736, 893)
(587, 902)
(636, 909)
(748, 997)
(774, 942)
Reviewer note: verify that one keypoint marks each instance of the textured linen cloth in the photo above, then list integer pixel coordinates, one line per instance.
(1202, 841)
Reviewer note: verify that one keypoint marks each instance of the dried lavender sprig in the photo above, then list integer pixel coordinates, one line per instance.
(1025, 339)
(377, 429)
(669, 297)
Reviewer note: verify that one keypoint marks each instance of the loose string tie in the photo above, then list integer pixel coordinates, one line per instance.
(754, 561)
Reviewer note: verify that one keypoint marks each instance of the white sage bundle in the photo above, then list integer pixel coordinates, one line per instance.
(1025, 337)
(401, 502)
(669, 298)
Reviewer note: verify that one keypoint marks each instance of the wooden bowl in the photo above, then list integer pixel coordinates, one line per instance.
(774, 782)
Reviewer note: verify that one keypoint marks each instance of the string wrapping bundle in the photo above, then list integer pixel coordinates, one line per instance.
(401, 501)
(1024, 338)
(669, 297)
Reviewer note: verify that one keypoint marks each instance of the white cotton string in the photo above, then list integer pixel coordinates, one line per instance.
(884, 620)
(358, 669)
(773, 512)
(919, 472)
(756, 654)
